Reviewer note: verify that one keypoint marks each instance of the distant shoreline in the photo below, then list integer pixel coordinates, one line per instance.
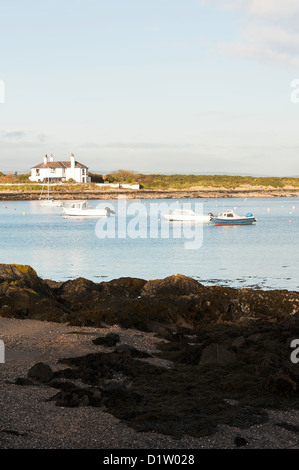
(30, 195)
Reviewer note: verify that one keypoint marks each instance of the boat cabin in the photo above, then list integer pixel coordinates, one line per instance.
(227, 214)
(78, 205)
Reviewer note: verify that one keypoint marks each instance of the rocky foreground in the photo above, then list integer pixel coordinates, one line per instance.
(225, 353)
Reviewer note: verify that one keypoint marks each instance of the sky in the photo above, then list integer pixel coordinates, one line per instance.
(154, 86)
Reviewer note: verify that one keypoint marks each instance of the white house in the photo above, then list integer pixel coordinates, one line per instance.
(60, 171)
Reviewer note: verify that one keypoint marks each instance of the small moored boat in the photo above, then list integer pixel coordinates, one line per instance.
(186, 215)
(79, 209)
(228, 217)
(49, 201)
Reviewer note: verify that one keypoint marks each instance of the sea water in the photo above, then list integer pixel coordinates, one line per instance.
(264, 255)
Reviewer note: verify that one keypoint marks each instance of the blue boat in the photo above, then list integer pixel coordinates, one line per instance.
(228, 217)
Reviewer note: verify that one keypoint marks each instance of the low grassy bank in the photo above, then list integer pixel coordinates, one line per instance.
(177, 181)
(21, 183)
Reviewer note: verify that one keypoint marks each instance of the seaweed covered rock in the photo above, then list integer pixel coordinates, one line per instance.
(24, 295)
(217, 354)
(40, 372)
(82, 294)
(110, 340)
(133, 286)
(178, 401)
(79, 292)
(21, 276)
(167, 304)
(172, 286)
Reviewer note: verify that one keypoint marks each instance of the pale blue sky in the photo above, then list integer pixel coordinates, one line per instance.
(193, 86)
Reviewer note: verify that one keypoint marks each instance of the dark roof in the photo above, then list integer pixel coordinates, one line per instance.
(59, 165)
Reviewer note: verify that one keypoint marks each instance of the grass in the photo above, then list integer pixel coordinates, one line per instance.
(177, 181)
(21, 183)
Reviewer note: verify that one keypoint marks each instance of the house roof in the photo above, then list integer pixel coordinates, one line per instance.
(59, 165)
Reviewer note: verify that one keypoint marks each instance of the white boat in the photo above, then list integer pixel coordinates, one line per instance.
(80, 209)
(186, 215)
(228, 217)
(50, 202)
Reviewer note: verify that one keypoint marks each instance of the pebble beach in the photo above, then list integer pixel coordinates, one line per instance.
(29, 421)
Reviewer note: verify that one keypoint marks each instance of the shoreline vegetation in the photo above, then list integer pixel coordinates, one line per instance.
(222, 356)
(155, 186)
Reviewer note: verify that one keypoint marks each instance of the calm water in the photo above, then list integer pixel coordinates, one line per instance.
(264, 255)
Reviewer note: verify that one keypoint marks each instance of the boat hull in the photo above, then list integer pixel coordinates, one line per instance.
(85, 213)
(51, 204)
(187, 219)
(80, 209)
(241, 221)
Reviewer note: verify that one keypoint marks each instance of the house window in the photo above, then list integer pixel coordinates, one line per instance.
(53, 170)
(37, 173)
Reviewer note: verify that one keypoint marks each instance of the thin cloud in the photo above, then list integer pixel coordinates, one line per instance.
(17, 135)
(136, 145)
(266, 9)
(41, 137)
(270, 32)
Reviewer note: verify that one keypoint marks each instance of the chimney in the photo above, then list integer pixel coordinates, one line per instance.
(51, 158)
(45, 159)
(72, 161)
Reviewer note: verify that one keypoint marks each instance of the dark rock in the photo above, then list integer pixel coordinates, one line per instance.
(13, 432)
(132, 285)
(127, 350)
(238, 342)
(53, 284)
(6, 311)
(25, 382)
(172, 286)
(289, 427)
(77, 397)
(114, 386)
(40, 372)
(217, 354)
(62, 385)
(240, 441)
(283, 383)
(22, 276)
(72, 399)
(177, 401)
(79, 290)
(159, 328)
(171, 303)
(110, 340)
(24, 295)
(255, 337)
